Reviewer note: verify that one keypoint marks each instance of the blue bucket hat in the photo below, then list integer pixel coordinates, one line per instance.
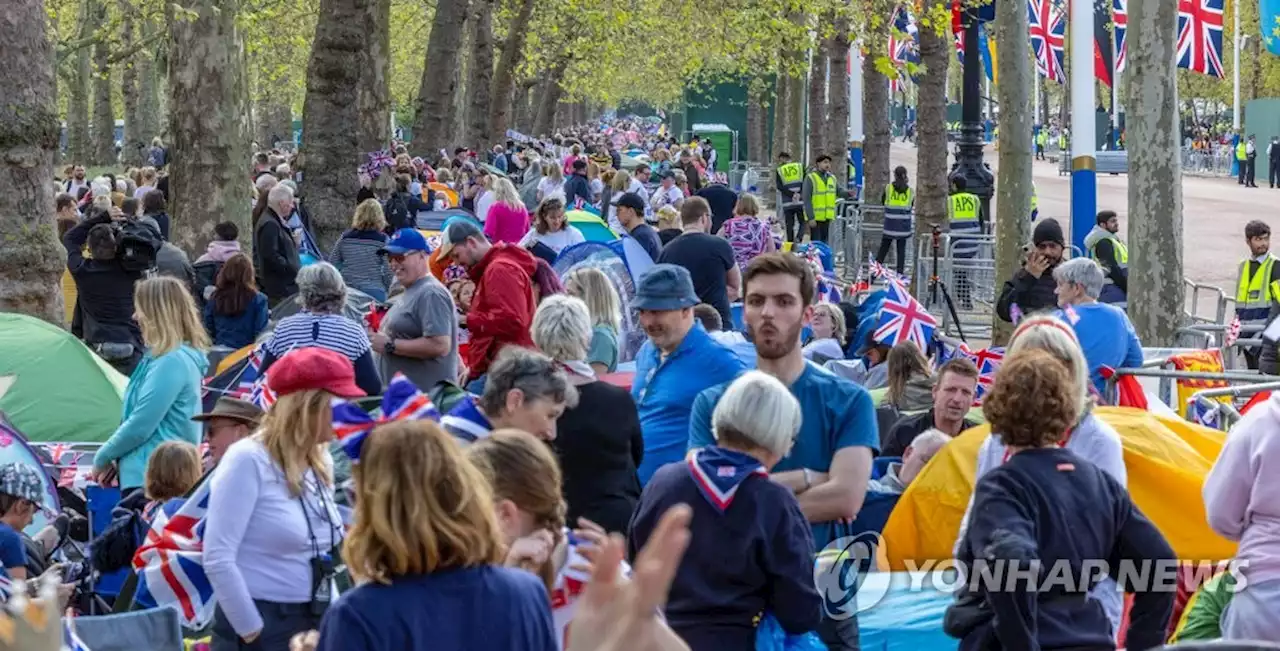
(665, 287)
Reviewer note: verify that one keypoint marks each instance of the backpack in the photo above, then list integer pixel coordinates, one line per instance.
(397, 212)
(137, 246)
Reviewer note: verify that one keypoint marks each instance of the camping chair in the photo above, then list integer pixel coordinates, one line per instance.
(155, 629)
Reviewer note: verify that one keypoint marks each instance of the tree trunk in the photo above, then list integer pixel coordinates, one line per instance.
(817, 101)
(500, 118)
(796, 99)
(374, 84)
(544, 122)
(148, 104)
(521, 115)
(104, 118)
(931, 130)
(433, 123)
(781, 104)
(878, 135)
(206, 178)
(133, 151)
(837, 138)
(1013, 228)
(480, 75)
(330, 147)
(274, 121)
(78, 106)
(757, 150)
(31, 258)
(1155, 214)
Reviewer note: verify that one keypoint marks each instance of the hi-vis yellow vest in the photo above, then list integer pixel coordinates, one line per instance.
(823, 197)
(1255, 293)
(1242, 151)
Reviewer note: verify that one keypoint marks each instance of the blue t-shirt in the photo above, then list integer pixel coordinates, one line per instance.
(664, 393)
(12, 552)
(837, 414)
(490, 608)
(1106, 337)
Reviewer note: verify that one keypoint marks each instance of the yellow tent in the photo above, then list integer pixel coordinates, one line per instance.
(1166, 460)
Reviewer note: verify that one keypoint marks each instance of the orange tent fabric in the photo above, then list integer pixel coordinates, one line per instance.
(442, 189)
(1166, 459)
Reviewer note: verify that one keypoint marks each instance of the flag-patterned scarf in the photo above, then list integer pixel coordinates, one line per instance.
(719, 472)
(466, 422)
(401, 401)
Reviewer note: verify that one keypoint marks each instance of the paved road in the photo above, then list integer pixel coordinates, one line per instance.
(1215, 211)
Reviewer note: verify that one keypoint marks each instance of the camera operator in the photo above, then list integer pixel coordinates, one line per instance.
(1032, 287)
(104, 307)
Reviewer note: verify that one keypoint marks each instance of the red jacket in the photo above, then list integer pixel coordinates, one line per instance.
(503, 305)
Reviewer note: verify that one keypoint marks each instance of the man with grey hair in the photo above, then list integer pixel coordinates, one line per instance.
(524, 390)
(275, 253)
(899, 474)
(1106, 335)
(321, 323)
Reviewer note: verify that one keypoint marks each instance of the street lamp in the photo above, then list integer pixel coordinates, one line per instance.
(969, 164)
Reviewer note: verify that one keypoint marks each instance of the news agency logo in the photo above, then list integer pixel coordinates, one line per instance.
(840, 575)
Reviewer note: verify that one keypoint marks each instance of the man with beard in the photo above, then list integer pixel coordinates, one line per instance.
(954, 388)
(678, 362)
(830, 462)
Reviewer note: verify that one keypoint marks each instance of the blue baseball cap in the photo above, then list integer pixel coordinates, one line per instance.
(406, 240)
(665, 287)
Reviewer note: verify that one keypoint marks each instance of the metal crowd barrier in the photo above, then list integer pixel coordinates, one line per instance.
(970, 282)
(1217, 303)
(1228, 411)
(1169, 376)
(1207, 162)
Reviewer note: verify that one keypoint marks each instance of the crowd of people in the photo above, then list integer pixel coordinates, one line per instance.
(496, 499)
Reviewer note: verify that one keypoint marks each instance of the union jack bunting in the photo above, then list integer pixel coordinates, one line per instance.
(401, 401)
(1200, 36)
(1048, 32)
(1120, 24)
(170, 562)
(903, 318)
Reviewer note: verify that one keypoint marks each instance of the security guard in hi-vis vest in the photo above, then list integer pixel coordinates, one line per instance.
(819, 195)
(1104, 247)
(789, 179)
(968, 224)
(1257, 289)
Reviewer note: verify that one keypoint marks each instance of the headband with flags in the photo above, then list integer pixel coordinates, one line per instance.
(401, 401)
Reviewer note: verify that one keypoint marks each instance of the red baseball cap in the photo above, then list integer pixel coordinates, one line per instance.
(314, 368)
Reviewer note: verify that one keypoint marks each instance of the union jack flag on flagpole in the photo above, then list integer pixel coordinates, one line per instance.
(1200, 36)
(1120, 24)
(1048, 35)
(170, 561)
(903, 318)
(900, 39)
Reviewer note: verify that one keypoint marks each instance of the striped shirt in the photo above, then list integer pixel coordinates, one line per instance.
(466, 423)
(356, 256)
(332, 331)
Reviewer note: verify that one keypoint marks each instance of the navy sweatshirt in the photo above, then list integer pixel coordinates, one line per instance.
(474, 609)
(1051, 505)
(757, 556)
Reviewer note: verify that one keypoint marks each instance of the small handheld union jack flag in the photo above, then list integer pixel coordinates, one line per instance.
(401, 401)
(903, 318)
(988, 361)
(1233, 331)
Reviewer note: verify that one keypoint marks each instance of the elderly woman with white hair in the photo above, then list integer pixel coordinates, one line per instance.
(751, 549)
(1105, 333)
(598, 440)
(1090, 438)
(321, 323)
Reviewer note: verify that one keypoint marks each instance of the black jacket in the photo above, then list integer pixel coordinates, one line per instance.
(722, 201)
(600, 447)
(577, 186)
(162, 220)
(275, 256)
(1106, 253)
(104, 307)
(1029, 293)
(1050, 506)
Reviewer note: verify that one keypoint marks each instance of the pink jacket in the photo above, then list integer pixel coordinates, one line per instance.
(1242, 491)
(506, 223)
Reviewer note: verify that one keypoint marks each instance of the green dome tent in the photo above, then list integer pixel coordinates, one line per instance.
(53, 388)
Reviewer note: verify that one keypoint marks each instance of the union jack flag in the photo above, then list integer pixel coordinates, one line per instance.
(1120, 24)
(1203, 411)
(902, 36)
(988, 361)
(401, 401)
(1048, 32)
(903, 318)
(59, 450)
(170, 562)
(1200, 36)
(1233, 331)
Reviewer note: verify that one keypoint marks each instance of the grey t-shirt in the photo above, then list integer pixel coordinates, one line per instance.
(425, 309)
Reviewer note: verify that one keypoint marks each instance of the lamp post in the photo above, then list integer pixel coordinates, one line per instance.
(969, 163)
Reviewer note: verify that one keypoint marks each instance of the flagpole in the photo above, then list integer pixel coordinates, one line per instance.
(1235, 74)
(855, 113)
(1084, 182)
(1115, 85)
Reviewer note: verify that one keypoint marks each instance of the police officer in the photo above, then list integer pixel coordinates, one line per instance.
(1242, 159)
(789, 179)
(899, 210)
(964, 211)
(1042, 141)
(1110, 253)
(819, 195)
(1257, 287)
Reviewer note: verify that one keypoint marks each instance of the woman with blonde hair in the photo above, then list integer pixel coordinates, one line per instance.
(164, 390)
(668, 224)
(605, 310)
(748, 233)
(1088, 436)
(594, 181)
(551, 228)
(828, 333)
(618, 186)
(425, 532)
(507, 220)
(356, 252)
(272, 525)
(552, 183)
